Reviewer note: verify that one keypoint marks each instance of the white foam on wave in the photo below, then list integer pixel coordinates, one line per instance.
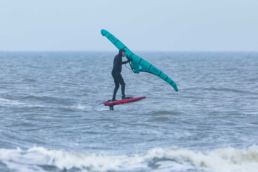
(82, 107)
(15, 103)
(18, 104)
(9, 102)
(158, 159)
(219, 160)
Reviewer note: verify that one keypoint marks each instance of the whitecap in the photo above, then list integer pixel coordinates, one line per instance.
(157, 159)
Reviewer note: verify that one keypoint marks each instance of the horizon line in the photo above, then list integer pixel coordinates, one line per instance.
(141, 51)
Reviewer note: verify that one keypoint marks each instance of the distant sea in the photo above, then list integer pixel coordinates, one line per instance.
(52, 118)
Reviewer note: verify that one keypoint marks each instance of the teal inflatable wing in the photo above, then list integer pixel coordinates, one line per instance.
(137, 63)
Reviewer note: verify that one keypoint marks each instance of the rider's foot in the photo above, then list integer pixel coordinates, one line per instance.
(124, 97)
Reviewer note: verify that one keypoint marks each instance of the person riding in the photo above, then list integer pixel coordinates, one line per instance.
(116, 73)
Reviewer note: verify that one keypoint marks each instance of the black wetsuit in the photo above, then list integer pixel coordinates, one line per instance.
(116, 73)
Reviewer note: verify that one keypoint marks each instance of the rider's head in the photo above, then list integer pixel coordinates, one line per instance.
(121, 52)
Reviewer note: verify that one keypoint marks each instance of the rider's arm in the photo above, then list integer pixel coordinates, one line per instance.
(127, 61)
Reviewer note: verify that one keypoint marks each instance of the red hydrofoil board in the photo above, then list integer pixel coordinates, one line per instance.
(123, 101)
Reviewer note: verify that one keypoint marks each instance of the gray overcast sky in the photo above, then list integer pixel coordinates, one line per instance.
(145, 25)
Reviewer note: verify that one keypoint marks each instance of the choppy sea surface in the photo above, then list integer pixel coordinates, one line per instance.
(52, 118)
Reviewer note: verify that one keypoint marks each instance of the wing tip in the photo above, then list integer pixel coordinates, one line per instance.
(103, 32)
(176, 89)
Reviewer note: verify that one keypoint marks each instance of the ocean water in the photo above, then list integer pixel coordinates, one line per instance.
(52, 118)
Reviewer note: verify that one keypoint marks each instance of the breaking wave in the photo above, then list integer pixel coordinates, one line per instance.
(157, 159)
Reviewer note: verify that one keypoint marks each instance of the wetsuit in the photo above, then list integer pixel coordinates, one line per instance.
(116, 73)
